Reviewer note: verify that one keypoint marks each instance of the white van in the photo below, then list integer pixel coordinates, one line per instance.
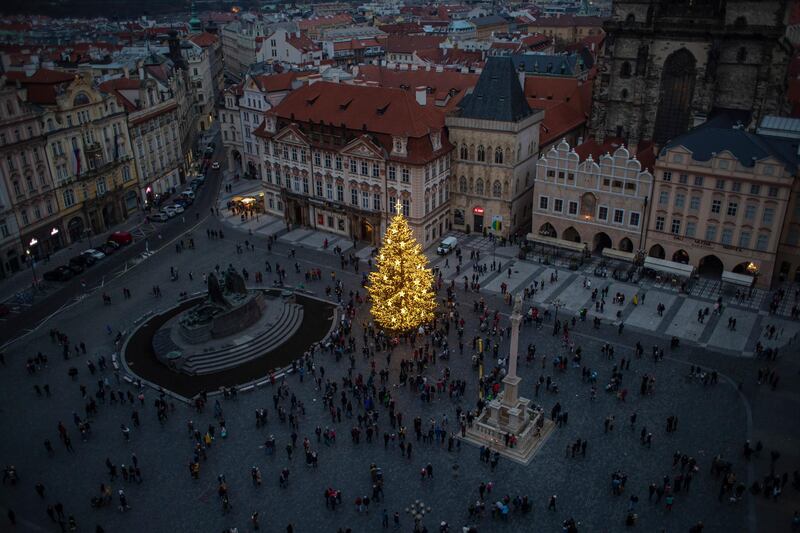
(188, 193)
(447, 245)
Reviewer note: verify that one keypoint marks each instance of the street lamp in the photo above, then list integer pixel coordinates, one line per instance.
(32, 259)
(557, 304)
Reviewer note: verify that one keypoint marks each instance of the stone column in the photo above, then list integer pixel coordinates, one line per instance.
(511, 381)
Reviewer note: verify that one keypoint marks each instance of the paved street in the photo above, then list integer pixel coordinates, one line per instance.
(713, 419)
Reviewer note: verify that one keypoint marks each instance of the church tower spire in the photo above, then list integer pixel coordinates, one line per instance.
(195, 25)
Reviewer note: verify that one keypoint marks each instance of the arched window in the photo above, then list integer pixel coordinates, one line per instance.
(497, 189)
(623, 94)
(479, 186)
(462, 184)
(498, 156)
(481, 153)
(464, 152)
(630, 19)
(80, 99)
(740, 23)
(625, 70)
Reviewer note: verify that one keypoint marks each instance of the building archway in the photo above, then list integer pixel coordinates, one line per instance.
(681, 256)
(657, 251)
(547, 230)
(710, 267)
(75, 228)
(675, 96)
(626, 245)
(571, 234)
(600, 241)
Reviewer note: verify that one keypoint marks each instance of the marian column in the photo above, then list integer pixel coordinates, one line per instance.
(511, 381)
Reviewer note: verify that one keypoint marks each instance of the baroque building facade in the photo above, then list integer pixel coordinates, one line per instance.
(669, 64)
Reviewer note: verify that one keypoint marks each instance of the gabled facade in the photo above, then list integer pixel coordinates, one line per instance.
(288, 47)
(339, 157)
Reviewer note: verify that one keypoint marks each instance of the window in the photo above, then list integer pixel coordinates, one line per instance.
(339, 192)
(633, 219)
(305, 185)
(755, 188)
(376, 201)
(744, 239)
(711, 233)
(750, 211)
(327, 160)
(302, 154)
(625, 70)
(558, 205)
(376, 170)
(762, 242)
(773, 192)
(694, 203)
(698, 181)
(479, 186)
(353, 166)
(736, 186)
(406, 207)
(481, 153)
(329, 191)
(676, 226)
(663, 198)
(24, 214)
(680, 200)
(4, 228)
(619, 216)
(392, 203)
(768, 216)
(733, 207)
(364, 168)
(338, 162)
(317, 159)
(573, 208)
(683, 179)
(720, 184)
(727, 236)
(716, 206)
(498, 156)
(667, 176)
(318, 188)
(464, 152)
(497, 191)
(659, 223)
(392, 173)
(543, 200)
(405, 178)
(285, 152)
(69, 198)
(602, 213)
(354, 196)
(126, 173)
(691, 229)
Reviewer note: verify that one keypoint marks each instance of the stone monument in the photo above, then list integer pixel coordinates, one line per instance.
(508, 413)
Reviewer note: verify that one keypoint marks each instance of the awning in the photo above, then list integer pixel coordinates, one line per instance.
(742, 280)
(669, 267)
(611, 253)
(558, 243)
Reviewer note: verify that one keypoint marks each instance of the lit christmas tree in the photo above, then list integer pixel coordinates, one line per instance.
(401, 288)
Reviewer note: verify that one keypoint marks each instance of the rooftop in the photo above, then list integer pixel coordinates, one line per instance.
(498, 95)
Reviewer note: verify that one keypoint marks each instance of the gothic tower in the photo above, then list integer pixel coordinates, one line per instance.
(668, 64)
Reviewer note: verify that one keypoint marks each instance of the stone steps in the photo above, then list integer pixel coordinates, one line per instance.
(284, 327)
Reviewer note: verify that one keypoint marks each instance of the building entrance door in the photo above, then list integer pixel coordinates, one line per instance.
(477, 223)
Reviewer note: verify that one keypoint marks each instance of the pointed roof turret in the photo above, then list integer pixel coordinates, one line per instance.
(497, 95)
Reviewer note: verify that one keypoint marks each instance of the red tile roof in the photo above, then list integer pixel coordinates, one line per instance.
(324, 22)
(356, 44)
(401, 28)
(439, 84)
(564, 21)
(381, 112)
(113, 87)
(645, 150)
(302, 42)
(566, 101)
(204, 39)
(408, 44)
(276, 82)
(41, 87)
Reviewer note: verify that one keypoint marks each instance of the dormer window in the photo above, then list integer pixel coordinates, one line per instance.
(436, 140)
(270, 124)
(399, 145)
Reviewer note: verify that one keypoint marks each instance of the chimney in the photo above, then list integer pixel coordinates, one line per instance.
(422, 95)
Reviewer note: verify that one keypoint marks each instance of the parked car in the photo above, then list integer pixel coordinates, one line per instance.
(183, 202)
(215, 165)
(188, 193)
(82, 260)
(177, 207)
(169, 211)
(158, 217)
(121, 237)
(108, 248)
(75, 267)
(98, 255)
(62, 273)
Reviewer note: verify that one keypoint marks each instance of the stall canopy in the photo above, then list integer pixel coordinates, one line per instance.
(743, 280)
(558, 243)
(611, 253)
(669, 267)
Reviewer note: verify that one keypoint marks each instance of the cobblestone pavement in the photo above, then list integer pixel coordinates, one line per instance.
(712, 420)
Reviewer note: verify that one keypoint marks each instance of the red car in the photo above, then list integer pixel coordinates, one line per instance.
(121, 237)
